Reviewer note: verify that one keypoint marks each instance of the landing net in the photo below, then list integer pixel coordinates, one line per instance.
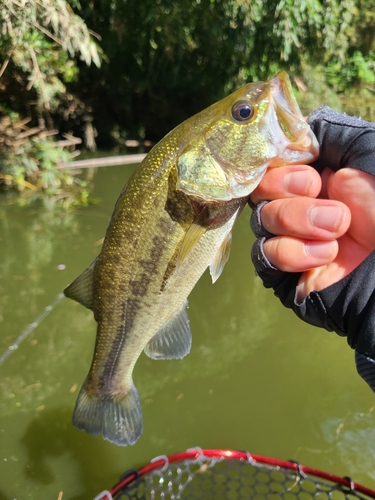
(230, 475)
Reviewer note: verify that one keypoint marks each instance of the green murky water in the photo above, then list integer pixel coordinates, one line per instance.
(257, 378)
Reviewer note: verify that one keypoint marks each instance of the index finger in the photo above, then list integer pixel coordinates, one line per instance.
(287, 182)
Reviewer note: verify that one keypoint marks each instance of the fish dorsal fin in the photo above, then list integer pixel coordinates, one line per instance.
(221, 258)
(82, 288)
(192, 236)
(173, 341)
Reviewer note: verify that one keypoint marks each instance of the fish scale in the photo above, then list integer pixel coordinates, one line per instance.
(173, 220)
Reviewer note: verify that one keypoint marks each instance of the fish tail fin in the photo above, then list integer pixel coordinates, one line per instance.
(117, 418)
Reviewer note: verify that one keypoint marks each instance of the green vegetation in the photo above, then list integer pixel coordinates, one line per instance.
(41, 41)
(162, 61)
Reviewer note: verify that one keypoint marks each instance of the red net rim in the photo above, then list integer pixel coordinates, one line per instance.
(196, 453)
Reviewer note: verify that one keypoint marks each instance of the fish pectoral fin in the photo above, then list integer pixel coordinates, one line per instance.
(117, 419)
(173, 341)
(221, 258)
(82, 288)
(192, 236)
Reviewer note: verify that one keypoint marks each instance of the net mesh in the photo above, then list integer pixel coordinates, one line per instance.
(226, 479)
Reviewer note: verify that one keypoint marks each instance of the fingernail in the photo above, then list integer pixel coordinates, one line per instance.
(320, 249)
(298, 182)
(328, 218)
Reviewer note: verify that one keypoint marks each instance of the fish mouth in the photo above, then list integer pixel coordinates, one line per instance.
(291, 134)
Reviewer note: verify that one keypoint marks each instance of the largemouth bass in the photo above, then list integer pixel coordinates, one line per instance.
(173, 220)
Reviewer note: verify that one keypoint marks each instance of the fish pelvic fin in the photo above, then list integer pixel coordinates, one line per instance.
(82, 288)
(221, 258)
(173, 341)
(117, 419)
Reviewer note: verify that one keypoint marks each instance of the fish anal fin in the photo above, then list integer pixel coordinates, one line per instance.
(82, 288)
(117, 419)
(221, 258)
(173, 341)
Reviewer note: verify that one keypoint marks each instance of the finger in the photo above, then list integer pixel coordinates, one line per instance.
(294, 255)
(288, 181)
(350, 255)
(307, 218)
(358, 190)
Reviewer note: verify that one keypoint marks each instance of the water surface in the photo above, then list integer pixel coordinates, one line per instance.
(257, 378)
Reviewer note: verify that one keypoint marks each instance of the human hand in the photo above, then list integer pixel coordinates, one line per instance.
(322, 238)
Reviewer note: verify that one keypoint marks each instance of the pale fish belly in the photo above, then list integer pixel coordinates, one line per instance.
(201, 256)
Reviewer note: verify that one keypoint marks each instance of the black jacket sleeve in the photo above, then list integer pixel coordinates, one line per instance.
(348, 306)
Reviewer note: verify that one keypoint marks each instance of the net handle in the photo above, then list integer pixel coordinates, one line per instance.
(197, 453)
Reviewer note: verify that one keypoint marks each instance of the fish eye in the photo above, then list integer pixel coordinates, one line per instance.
(242, 111)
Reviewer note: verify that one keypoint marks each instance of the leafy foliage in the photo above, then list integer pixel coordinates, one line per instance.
(167, 59)
(38, 36)
(31, 160)
(39, 42)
